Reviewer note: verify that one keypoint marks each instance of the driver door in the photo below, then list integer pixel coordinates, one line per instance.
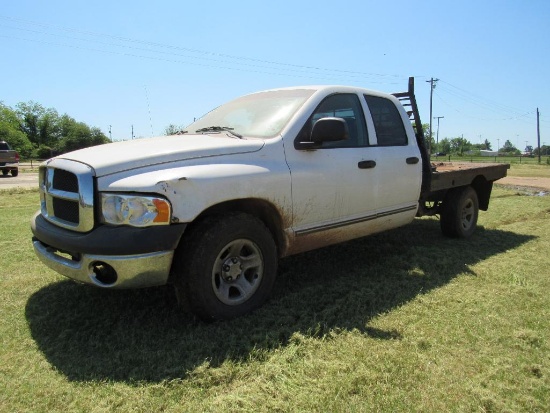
(333, 186)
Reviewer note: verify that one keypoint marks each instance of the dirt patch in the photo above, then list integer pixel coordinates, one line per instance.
(537, 183)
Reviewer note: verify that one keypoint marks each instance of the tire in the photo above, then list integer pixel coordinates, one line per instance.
(459, 213)
(226, 266)
(4, 172)
(14, 172)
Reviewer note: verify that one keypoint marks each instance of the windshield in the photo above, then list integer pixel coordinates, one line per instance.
(260, 115)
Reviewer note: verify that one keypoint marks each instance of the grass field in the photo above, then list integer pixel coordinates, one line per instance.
(523, 170)
(519, 160)
(402, 321)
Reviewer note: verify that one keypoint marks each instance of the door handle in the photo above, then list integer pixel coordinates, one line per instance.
(412, 161)
(366, 164)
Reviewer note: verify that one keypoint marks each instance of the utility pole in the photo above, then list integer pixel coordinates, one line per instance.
(432, 82)
(538, 131)
(437, 135)
(132, 132)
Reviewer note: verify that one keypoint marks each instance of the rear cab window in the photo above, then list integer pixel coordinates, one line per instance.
(388, 124)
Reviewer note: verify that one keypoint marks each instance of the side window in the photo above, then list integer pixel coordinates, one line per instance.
(346, 106)
(387, 122)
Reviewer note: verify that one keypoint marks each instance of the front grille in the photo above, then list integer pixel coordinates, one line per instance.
(67, 194)
(66, 210)
(65, 181)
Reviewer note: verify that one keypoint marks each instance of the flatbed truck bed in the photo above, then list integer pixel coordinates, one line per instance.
(446, 175)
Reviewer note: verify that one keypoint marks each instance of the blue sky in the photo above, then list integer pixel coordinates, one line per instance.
(150, 64)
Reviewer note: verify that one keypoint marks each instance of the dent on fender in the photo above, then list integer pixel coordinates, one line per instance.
(167, 187)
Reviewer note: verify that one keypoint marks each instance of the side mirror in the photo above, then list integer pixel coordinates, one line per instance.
(326, 130)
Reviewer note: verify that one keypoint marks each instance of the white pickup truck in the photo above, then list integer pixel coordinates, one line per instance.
(274, 173)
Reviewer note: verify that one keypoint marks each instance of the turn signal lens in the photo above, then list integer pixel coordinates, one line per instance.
(163, 210)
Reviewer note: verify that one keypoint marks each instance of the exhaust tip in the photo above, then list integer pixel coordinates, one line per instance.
(103, 274)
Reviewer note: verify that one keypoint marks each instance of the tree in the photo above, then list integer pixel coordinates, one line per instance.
(44, 131)
(460, 145)
(430, 141)
(509, 148)
(17, 140)
(173, 129)
(8, 116)
(78, 135)
(10, 132)
(487, 145)
(40, 124)
(444, 146)
(544, 150)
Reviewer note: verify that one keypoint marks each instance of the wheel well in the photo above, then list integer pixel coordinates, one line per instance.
(482, 187)
(259, 208)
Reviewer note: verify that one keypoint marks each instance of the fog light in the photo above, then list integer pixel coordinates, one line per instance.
(103, 273)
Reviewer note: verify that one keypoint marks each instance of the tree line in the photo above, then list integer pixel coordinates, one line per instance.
(38, 132)
(461, 146)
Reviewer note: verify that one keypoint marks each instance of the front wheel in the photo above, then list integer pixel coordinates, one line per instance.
(14, 172)
(459, 213)
(226, 266)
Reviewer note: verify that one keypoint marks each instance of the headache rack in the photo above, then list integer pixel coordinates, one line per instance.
(408, 100)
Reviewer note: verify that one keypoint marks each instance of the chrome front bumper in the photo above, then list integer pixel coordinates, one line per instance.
(109, 271)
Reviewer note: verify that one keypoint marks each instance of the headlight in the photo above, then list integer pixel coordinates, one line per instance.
(135, 210)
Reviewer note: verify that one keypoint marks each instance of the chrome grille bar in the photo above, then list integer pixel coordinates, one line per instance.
(69, 204)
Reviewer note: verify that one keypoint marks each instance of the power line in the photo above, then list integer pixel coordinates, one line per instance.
(239, 59)
(249, 68)
(476, 99)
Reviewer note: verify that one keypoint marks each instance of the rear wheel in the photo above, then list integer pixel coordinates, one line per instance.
(14, 172)
(459, 212)
(226, 266)
(4, 172)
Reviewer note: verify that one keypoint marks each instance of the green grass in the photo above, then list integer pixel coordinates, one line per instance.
(406, 320)
(519, 160)
(530, 170)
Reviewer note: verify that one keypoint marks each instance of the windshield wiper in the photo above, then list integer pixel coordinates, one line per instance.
(219, 129)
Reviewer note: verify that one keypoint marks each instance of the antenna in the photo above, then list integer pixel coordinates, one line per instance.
(149, 110)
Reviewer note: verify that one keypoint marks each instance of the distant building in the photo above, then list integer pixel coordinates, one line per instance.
(484, 152)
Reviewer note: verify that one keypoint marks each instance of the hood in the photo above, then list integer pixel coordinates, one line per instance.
(121, 156)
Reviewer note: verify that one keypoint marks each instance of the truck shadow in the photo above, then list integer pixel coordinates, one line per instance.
(143, 335)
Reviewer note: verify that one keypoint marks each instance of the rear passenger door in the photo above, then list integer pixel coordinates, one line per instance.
(398, 162)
